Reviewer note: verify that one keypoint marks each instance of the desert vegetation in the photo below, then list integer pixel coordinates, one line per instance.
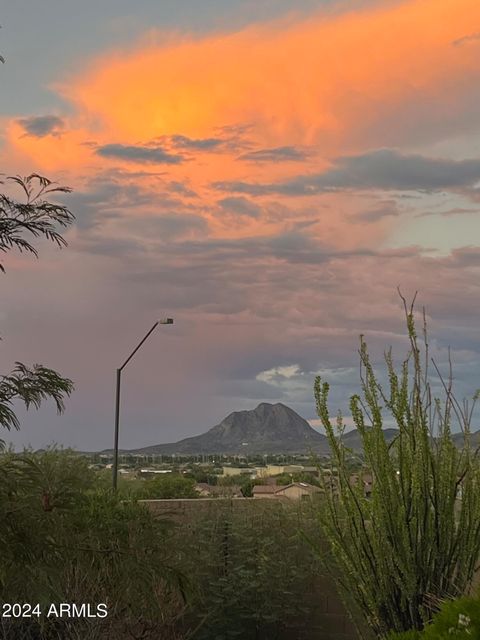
(415, 542)
(66, 541)
(226, 573)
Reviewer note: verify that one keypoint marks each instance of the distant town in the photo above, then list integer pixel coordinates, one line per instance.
(226, 476)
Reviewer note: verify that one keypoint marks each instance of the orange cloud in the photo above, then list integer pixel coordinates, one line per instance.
(322, 81)
(334, 84)
(66, 151)
(307, 83)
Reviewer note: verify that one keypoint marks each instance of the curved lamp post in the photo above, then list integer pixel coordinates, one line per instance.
(117, 397)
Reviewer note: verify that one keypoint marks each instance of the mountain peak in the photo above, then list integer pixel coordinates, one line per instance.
(269, 428)
(263, 405)
(268, 406)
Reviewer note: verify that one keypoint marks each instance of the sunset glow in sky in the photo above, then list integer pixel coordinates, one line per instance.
(265, 172)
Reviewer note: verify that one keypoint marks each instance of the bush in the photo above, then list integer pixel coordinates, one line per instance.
(416, 541)
(167, 486)
(251, 570)
(406, 635)
(456, 620)
(63, 541)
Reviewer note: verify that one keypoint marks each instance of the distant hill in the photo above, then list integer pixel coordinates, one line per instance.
(353, 440)
(270, 428)
(474, 439)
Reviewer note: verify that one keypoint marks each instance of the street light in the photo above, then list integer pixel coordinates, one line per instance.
(117, 398)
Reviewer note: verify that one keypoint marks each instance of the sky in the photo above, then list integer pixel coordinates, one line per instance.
(265, 172)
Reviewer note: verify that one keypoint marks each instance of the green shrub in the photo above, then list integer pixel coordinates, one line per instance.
(406, 635)
(167, 486)
(415, 542)
(236, 569)
(456, 620)
(63, 541)
(250, 568)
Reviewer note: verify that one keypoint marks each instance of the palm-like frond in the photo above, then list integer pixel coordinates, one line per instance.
(32, 386)
(36, 216)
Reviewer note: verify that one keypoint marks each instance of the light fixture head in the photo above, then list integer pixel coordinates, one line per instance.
(166, 321)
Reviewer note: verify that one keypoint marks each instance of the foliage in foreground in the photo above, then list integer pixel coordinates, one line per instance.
(35, 217)
(416, 542)
(231, 569)
(253, 571)
(64, 541)
(457, 620)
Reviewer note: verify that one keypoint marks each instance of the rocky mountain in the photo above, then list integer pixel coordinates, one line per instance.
(270, 428)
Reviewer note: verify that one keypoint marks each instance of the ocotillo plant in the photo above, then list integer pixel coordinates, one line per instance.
(416, 540)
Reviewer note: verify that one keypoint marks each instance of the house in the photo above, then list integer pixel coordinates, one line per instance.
(236, 471)
(314, 471)
(279, 469)
(264, 491)
(293, 491)
(297, 490)
(203, 489)
(365, 479)
(218, 491)
(147, 473)
(367, 484)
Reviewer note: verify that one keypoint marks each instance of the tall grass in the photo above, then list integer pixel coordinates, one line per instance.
(416, 541)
